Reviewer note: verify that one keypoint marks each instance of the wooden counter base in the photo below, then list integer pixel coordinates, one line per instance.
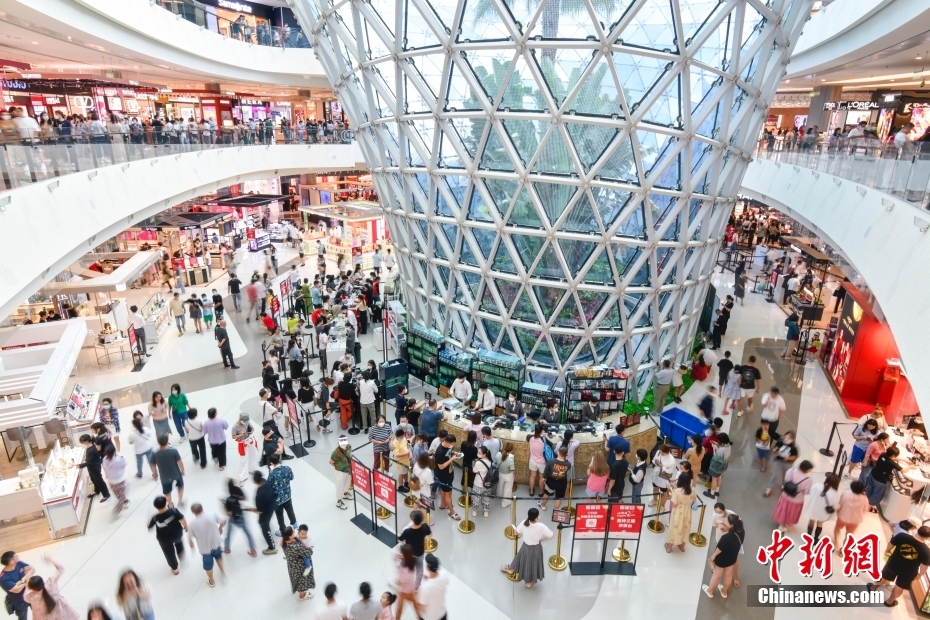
(642, 435)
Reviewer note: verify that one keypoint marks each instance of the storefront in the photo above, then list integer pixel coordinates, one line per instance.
(239, 19)
(845, 115)
(217, 109)
(281, 110)
(245, 110)
(347, 187)
(352, 230)
(39, 95)
(192, 240)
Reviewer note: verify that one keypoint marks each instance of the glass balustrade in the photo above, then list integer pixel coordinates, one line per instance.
(255, 31)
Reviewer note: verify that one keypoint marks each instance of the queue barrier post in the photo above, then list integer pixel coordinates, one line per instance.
(620, 554)
(557, 562)
(513, 575)
(381, 512)
(654, 525)
(827, 451)
(511, 530)
(571, 491)
(467, 526)
(697, 538)
(463, 499)
(430, 544)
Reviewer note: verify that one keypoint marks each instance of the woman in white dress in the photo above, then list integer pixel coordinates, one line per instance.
(825, 497)
(247, 447)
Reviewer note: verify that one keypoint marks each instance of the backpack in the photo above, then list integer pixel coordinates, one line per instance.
(548, 452)
(791, 488)
(718, 463)
(492, 477)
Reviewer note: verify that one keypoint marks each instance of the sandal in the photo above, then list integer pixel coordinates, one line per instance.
(720, 590)
(455, 516)
(668, 548)
(707, 591)
(891, 603)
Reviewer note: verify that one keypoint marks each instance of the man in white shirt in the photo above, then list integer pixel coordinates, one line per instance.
(139, 324)
(332, 609)
(431, 597)
(376, 260)
(207, 529)
(27, 126)
(857, 132)
(389, 261)
(772, 407)
(902, 140)
(351, 319)
(485, 402)
(792, 287)
(664, 378)
(366, 397)
(461, 388)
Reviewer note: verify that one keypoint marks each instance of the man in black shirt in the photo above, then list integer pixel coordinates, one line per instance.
(170, 526)
(725, 366)
(265, 506)
(93, 460)
(749, 383)
(717, 329)
(908, 560)
(445, 457)
(222, 341)
(415, 535)
(618, 471)
(234, 285)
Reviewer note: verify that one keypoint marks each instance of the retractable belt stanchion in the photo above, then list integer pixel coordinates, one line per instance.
(381, 512)
(571, 491)
(697, 538)
(557, 562)
(514, 575)
(430, 544)
(467, 526)
(620, 554)
(463, 499)
(511, 530)
(654, 525)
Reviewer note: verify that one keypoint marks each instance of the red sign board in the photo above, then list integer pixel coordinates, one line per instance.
(292, 411)
(385, 491)
(275, 306)
(249, 233)
(361, 479)
(131, 335)
(626, 521)
(590, 520)
(285, 287)
(177, 263)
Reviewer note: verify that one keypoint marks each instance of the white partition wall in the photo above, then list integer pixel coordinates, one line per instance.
(556, 175)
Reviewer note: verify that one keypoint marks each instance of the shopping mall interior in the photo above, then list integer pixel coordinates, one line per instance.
(641, 277)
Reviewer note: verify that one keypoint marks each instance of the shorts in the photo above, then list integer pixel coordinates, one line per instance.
(556, 487)
(743, 392)
(534, 466)
(902, 581)
(445, 487)
(857, 455)
(166, 485)
(400, 470)
(208, 558)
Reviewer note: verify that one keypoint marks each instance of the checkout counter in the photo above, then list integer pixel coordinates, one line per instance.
(590, 437)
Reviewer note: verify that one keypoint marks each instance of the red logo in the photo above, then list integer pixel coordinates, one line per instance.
(859, 556)
(816, 556)
(773, 554)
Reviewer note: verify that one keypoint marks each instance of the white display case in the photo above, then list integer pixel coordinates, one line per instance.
(156, 316)
(396, 324)
(64, 491)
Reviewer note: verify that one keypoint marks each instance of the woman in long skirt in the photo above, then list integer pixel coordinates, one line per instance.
(731, 391)
(679, 522)
(788, 509)
(299, 564)
(529, 563)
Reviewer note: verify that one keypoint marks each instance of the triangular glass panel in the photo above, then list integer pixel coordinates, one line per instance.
(638, 74)
(625, 256)
(609, 14)
(549, 299)
(695, 14)
(591, 303)
(477, 210)
(665, 108)
(442, 206)
(458, 185)
(524, 310)
(753, 22)
(507, 345)
(495, 155)
(598, 95)
(599, 272)
(527, 339)
(585, 354)
(376, 48)
(553, 197)
(554, 156)
(417, 33)
(430, 68)
(749, 72)
(490, 67)
(543, 354)
(502, 260)
(611, 320)
(522, 92)
(414, 101)
(590, 141)
(582, 218)
(713, 52)
(563, 21)
(469, 131)
(439, 251)
(521, 12)
(460, 95)
(481, 22)
(473, 281)
(451, 232)
(448, 158)
(702, 83)
(548, 265)
(508, 291)
(502, 192)
(671, 232)
(564, 345)
(632, 301)
(610, 203)
(525, 136)
(621, 165)
(652, 27)
(493, 331)
(528, 247)
(602, 348)
(524, 212)
(569, 315)
(485, 239)
(576, 253)
(445, 11)
(488, 303)
(562, 69)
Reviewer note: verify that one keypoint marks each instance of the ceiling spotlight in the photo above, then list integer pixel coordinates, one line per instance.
(919, 58)
(823, 80)
(35, 42)
(891, 80)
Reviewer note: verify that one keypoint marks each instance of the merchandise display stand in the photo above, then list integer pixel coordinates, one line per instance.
(452, 362)
(156, 316)
(608, 386)
(423, 347)
(396, 325)
(536, 396)
(503, 373)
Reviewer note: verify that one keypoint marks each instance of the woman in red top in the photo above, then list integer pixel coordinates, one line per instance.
(268, 322)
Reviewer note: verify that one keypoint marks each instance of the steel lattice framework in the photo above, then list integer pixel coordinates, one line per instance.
(557, 174)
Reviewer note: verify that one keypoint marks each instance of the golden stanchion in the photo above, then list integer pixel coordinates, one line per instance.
(463, 499)
(381, 512)
(571, 491)
(511, 530)
(514, 485)
(697, 539)
(620, 554)
(410, 501)
(514, 576)
(557, 562)
(430, 543)
(467, 526)
(654, 525)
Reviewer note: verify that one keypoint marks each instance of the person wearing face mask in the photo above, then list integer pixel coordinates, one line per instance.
(218, 305)
(339, 460)
(786, 453)
(552, 415)
(513, 408)
(177, 405)
(485, 403)
(109, 417)
(380, 437)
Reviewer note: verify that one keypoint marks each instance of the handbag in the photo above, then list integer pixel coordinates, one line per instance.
(790, 488)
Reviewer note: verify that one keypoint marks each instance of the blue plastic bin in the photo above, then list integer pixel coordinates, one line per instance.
(677, 425)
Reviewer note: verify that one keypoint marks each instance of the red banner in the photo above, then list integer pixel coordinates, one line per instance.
(626, 521)
(590, 520)
(385, 491)
(131, 335)
(275, 306)
(292, 411)
(361, 479)
(285, 287)
(249, 233)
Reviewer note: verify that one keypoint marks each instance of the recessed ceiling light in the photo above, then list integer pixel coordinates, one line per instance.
(35, 42)
(919, 58)
(891, 80)
(823, 80)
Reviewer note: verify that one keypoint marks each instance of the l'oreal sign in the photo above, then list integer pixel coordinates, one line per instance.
(851, 105)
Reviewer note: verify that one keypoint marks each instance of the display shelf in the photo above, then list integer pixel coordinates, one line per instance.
(537, 395)
(396, 325)
(452, 362)
(607, 385)
(423, 347)
(392, 375)
(503, 373)
(156, 316)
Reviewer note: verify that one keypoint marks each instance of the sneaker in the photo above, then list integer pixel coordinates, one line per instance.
(278, 533)
(269, 551)
(105, 498)
(486, 514)
(474, 513)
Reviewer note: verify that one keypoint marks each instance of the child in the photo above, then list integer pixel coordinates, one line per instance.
(303, 533)
(678, 382)
(387, 599)
(815, 346)
(207, 310)
(720, 517)
(638, 475)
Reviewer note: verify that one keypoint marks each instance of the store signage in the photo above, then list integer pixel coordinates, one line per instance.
(127, 92)
(132, 105)
(115, 104)
(183, 99)
(31, 76)
(15, 85)
(234, 6)
(275, 305)
(131, 335)
(851, 105)
(210, 101)
(844, 340)
(224, 101)
(626, 521)
(53, 100)
(251, 102)
(590, 520)
(82, 102)
(109, 92)
(281, 104)
(914, 106)
(361, 479)
(133, 82)
(285, 287)
(165, 90)
(385, 491)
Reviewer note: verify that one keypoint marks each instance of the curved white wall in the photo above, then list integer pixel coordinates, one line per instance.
(847, 31)
(147, 29)
(885, 246)
(43, 231)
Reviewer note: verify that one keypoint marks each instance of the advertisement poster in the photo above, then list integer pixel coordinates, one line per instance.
(133, 338)
(361, 479)
(590, 520)
(285, 287)
(385, 491)
(626, 521)
(292, 411)
(845, 339)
